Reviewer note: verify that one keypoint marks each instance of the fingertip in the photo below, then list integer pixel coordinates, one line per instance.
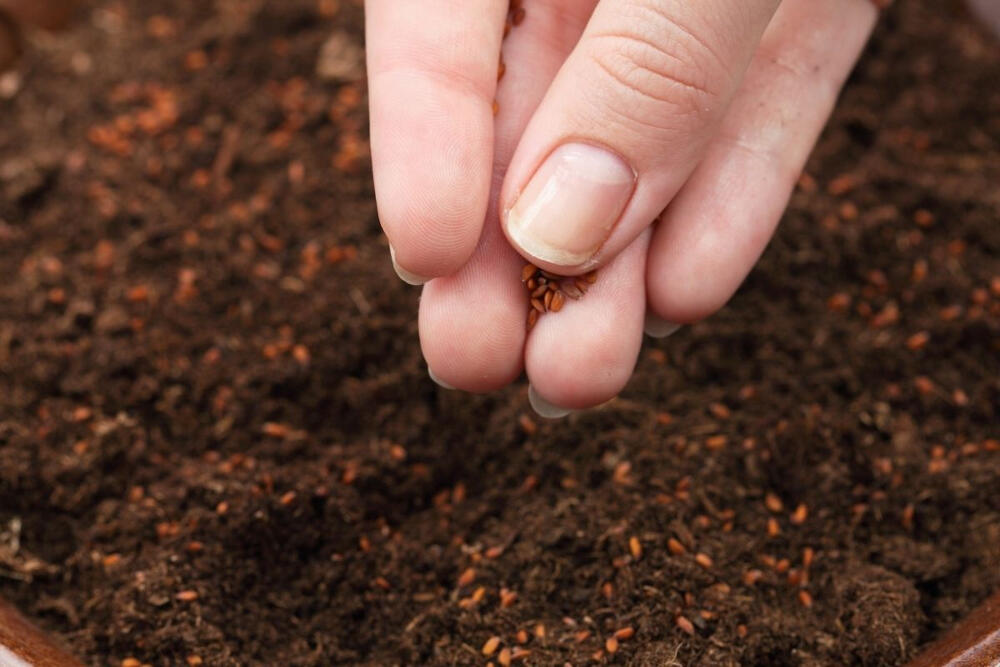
(688, 280)
(406, 276)
(586, 370)
(657, 327)
(473, 344)
(438, 381)
(544, 408)
(430, 236)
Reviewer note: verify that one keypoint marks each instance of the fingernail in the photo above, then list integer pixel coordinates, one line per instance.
(569, 207)
(438, 380)
(543, 407)
(657, 327)
(404, 275)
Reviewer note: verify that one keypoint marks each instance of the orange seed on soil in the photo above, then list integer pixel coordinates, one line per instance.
(773, 503)
(635, 547)
(491, 645)
(684, 624)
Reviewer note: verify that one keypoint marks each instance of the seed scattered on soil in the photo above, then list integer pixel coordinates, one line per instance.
(684, 624)
(467, 577)
(800, 515)
(635, 547)
(491, 645)
(507, 598)
(805, 599)
(187, 596)
(704, 560)
(675, 547)
(773, 503)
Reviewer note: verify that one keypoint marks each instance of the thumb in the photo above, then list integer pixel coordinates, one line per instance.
(624, 124)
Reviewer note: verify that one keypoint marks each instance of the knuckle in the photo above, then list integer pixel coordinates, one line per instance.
(661, 68)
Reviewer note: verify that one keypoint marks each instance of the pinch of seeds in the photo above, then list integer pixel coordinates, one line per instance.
(548, 292)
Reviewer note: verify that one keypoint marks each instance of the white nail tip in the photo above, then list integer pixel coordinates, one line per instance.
(536, 250)
(543, 407)
(404, 275)
(438, 380)
(658, 327)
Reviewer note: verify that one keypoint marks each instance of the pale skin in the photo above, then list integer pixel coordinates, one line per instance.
(666, 137)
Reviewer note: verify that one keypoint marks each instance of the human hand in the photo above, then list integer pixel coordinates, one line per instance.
(703, 111)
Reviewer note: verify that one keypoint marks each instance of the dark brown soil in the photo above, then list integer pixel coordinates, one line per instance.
(210, 383)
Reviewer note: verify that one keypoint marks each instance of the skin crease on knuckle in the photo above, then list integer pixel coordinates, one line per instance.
(643, 78)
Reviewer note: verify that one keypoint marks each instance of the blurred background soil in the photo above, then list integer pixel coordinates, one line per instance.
(219, 444)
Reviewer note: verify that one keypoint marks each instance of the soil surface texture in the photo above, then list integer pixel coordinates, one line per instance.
(219, 444)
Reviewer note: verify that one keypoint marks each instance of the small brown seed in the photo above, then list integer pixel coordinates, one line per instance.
(635, 547)
(467, 577)
(547, 300)
(773, 503)
(581, 285)
(684, 624)
(528, 272)
(187, 596)
(611, 645)
(539, 291)
(532, 319)
(800, 514)
(918, 340)
(704, 560)
(624, 633)
(504, 657)
(538, 305)
(675, 547)
(751, 577)
(557, 302)
(571, 290)
(491, 645)
(805, 598)
(507, 598)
